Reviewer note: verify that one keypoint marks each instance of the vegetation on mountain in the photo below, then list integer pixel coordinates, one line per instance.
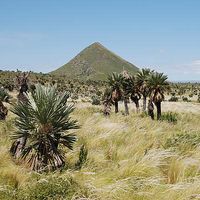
(95, 62)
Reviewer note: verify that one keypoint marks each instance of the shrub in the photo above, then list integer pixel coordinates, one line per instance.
(95, 100)
(170, 117)
(82, 157)
(190, 95)
(32, 87)
(173, 99)
(198, 100)
(98, 93)
(4, 96)
(74, 96)
(173, 94)
(9, 86)
(185, 99)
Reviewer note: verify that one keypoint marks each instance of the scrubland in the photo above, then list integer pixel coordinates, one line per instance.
(129, 157)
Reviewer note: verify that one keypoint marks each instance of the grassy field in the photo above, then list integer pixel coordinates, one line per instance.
(129, 157)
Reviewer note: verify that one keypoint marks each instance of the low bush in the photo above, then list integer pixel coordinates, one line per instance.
(185, 99)
(170, 117)
(198, 100)
(173, 99)
(82, 157)
(190, 95)
(4, 96)
(95, 100)
(74, 96)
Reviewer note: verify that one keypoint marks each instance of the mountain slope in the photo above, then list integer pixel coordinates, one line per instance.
(94, 62)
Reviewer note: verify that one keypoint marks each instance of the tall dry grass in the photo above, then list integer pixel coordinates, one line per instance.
(127, 159)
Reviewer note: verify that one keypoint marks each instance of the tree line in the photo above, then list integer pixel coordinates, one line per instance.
(145, 84)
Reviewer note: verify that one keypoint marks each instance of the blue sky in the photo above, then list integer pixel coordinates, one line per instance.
(41, 35)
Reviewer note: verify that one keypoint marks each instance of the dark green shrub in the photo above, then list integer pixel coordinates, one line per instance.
(173, 94)
(173, 99)
(98, 93)
(185, 99)
(82, 157)
(198, 100)
(170, 117)
(74, 96)
(9, 86)
(95, 100)
(4, 96)
(32, 87)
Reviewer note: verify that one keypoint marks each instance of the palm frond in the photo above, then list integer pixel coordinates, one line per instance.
(115, 81)
(44, 121)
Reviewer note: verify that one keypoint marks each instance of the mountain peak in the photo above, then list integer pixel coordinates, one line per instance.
(95, 62)
(96, 44)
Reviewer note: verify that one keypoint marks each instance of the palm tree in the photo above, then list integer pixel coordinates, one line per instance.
(135, 97)
(127, 87)
(141, 82)
(44, 121)
(158, 85)
(132, 89)
(4, 97)
(115, 82)
(22, 85)
(3, 111)
(107, 101)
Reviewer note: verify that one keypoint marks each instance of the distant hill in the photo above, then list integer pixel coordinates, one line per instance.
(95, 62)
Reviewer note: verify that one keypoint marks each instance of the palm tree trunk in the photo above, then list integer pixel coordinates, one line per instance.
(18, 146)
(126, 106)
(116, 107)
(137, 105)
(144, 103)
(158, 106)
(3, 111)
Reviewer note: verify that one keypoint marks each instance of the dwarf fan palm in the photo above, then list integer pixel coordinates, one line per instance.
(107, 101)
(4, 97)
(141, 81)
(44, 121)
(133, 90)
(115, 82)
(158, 85)
(128, 84)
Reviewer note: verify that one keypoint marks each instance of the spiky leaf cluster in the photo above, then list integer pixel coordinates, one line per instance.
(44, 121)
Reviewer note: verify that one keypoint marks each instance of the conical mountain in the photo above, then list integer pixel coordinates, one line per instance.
(95, 62)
